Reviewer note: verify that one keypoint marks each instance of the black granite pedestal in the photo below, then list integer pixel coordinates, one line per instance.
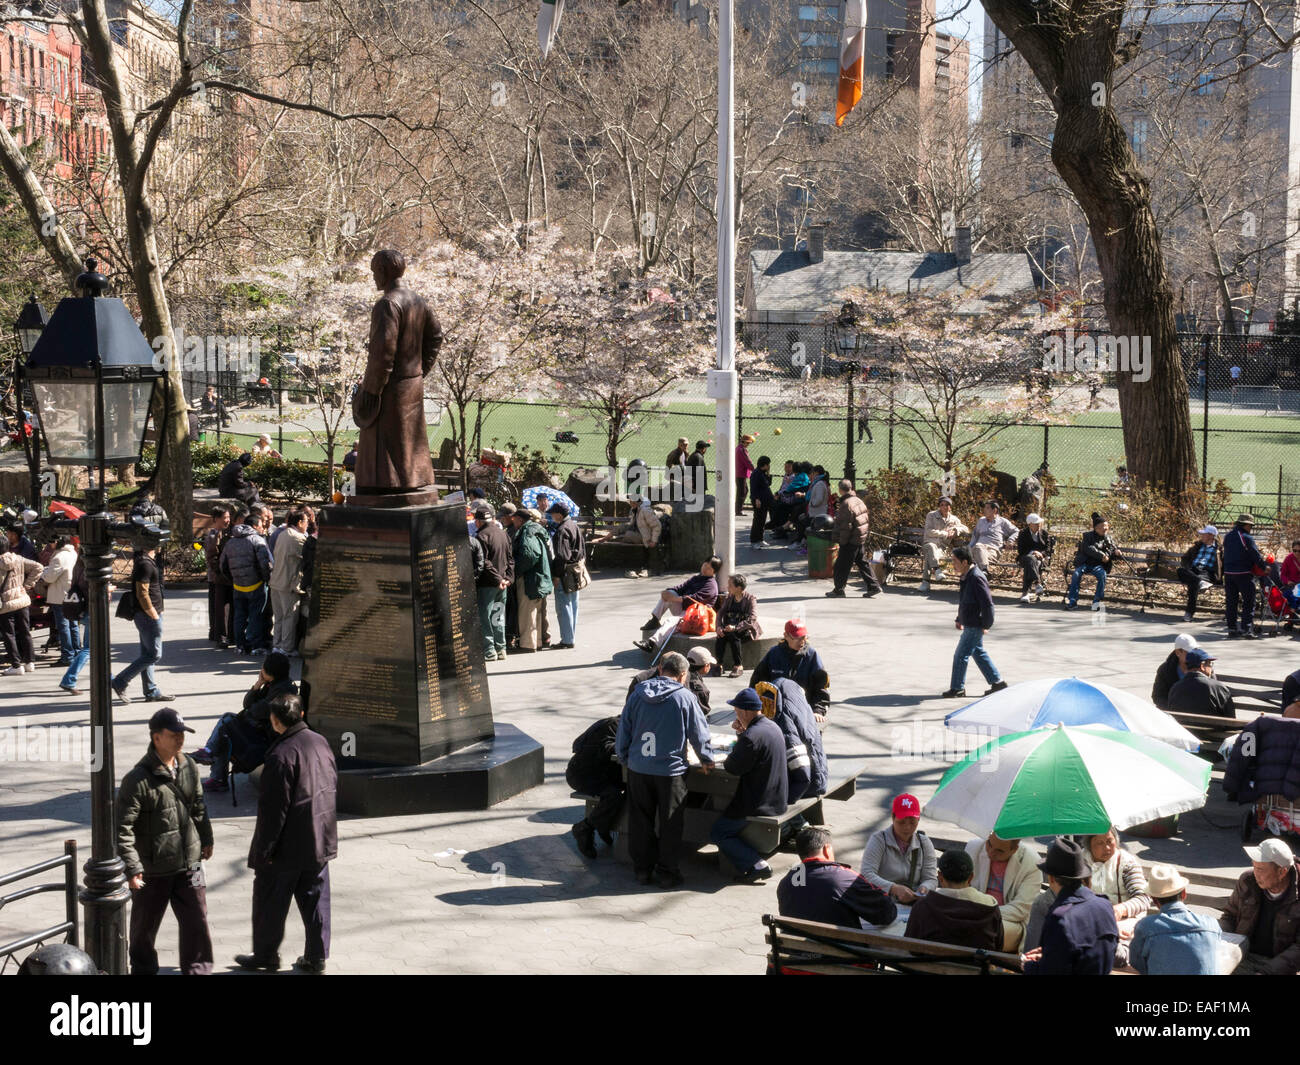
(393, 669)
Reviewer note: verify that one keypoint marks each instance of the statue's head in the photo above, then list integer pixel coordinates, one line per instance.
(387, 266)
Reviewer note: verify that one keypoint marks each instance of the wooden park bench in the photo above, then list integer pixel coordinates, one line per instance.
(811, 948)
(1254, 693)
(708, 794)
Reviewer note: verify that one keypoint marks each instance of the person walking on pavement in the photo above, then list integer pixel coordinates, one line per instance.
(163, 837)
(1241, 557)
(852, 523)
(974, 618)
(660, 718)
(294, 840)
(493, 582)
(75, 609)
(570, 571)
(147, 590)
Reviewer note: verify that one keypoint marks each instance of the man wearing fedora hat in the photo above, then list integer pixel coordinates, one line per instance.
(1265, 908)
(1080, 933)
(1173, 941)
(1241, 556)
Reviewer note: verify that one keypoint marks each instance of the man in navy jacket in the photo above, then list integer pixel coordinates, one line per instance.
(1080, 933)
(758, 759)
(974, 617)
(821, 889)
(1240, 557)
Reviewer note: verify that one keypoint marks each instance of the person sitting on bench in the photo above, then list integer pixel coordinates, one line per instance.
(1032, 549)
(991, 531)
(899, 859)
(242, 739)
(796, 658)
(1201, 567)
(954, 912)
(700, 662)
(1080, 932)
(1007, 869)
(805, 759)
(1200, 692)
(1172, 669)
(758, 761)
(1096, 554)
(594, 770)
(821, 889)
(702, 589)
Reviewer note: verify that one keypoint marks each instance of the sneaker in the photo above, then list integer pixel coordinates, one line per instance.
(260, 652)
(120, 695)
(871, 594)
(1250, 634)
(653, 623)
(643, 574)
(490, 657)
(755, 876)
(1039, 589)
(586, 838)
(203, 756)
(940, 575)
(1071, 606)
(30, 667)
(954, 693)
(1187, 617)
(253, 962)
(216, 784)
(1206, 586)
(501, 654)
(11, 671)
(631, 575)
(1026, 598)
(69, 689)
(1096, 605)
(924, 586)
(835, 593)
(996, 687)
(643, 645)
(736, 672)
(158, 697)
(309, 965)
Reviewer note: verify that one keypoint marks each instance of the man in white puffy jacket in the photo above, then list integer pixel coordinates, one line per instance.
(58, 580)
(1008, 870)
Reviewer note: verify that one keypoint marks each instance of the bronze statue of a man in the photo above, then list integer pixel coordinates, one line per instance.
(388, 407)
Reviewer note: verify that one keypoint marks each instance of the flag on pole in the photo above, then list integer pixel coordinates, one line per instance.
(548, 24)
(852, 58)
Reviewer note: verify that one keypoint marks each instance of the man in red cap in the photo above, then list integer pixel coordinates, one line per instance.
(794, 658)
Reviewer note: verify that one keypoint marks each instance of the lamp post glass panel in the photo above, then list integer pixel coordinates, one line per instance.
(31, 322)
(93, 376)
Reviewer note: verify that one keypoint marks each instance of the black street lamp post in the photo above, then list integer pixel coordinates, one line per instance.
(93, 375)
(848, 338)
(32, 320)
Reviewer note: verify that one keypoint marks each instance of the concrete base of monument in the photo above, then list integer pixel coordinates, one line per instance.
(420, 497)
(473, 778)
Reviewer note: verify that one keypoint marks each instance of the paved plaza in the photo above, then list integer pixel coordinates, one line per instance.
(504, 890)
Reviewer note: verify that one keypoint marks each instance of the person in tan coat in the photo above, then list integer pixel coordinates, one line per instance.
(1008, 870)
(852, 523)
(942, 530)
(18, 576)
(388, 407)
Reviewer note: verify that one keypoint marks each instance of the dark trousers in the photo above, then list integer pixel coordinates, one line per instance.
(1239, 586)
(220, 607)
(16, 631)
(649, 797)
(760, 522)
(1031, 572)
(187, 894)
(273, 890)
(1192, 578)
(742, 485)
(851, 557)
(610, 791)
(729, 641)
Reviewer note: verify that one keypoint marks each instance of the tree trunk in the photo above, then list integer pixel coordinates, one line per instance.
(1075, 65)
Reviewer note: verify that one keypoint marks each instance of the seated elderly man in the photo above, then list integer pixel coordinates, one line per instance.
(1265, 908)
(1173, 941)
(955, 912)
(1080, 932)
(700, 661)
(1200, 692)
(821, 889)
(241, 739)
(991, 531)
(1172, 669)
(702, 588)
(1007, 869)
(942, 529)
(794, 657)
(805, 759)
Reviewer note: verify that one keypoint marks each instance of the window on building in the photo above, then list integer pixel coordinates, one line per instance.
(1204, 83)
(819, 40)
(22, 62)
(40, 66)
(813, 68)
(808, 12)
(1140, 132)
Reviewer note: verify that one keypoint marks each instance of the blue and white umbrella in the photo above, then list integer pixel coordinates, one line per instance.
(553, 495)
(1069, 701)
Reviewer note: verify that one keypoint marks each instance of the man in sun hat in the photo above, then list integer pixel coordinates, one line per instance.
(1201, 567)
(1172, 669)
(1080, 933)
(1200, 692)
(1240, 558)
(1265, 908)
(1172, 940)
(794, 657)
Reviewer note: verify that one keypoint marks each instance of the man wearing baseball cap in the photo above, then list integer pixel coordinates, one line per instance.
(798, 660)
(1241, 557)
(1201, 566)
(1172, 669)
(1200, 692)
(1080, 933)
(163, 836)
(699, 660)
(1265, 908)
(1173, 941)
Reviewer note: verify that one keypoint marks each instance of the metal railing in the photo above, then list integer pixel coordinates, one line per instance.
(69, 926)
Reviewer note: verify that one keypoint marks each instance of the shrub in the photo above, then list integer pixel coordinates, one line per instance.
(289, 478)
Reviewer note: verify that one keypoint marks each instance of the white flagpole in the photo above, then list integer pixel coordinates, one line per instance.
(723, 379)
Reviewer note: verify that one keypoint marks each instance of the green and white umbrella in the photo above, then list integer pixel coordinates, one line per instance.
(1067, 779)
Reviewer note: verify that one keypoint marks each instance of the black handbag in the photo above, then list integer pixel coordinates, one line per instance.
(127, 606)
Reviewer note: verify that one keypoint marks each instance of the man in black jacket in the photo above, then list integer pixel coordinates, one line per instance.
(163, 836)
(233, 483)
(594, 770)
(295, 839)
(822, 889)
(758, 759)
(497, 576)
(1095, 556)
(240, 740)
(1172, 669)
(570, 557)
(1199, 692)
(761, 498)
(974, 618)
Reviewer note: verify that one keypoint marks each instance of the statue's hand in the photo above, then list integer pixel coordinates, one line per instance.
(365, 408)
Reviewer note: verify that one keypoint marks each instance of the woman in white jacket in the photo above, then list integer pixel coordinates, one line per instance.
(58, 580)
